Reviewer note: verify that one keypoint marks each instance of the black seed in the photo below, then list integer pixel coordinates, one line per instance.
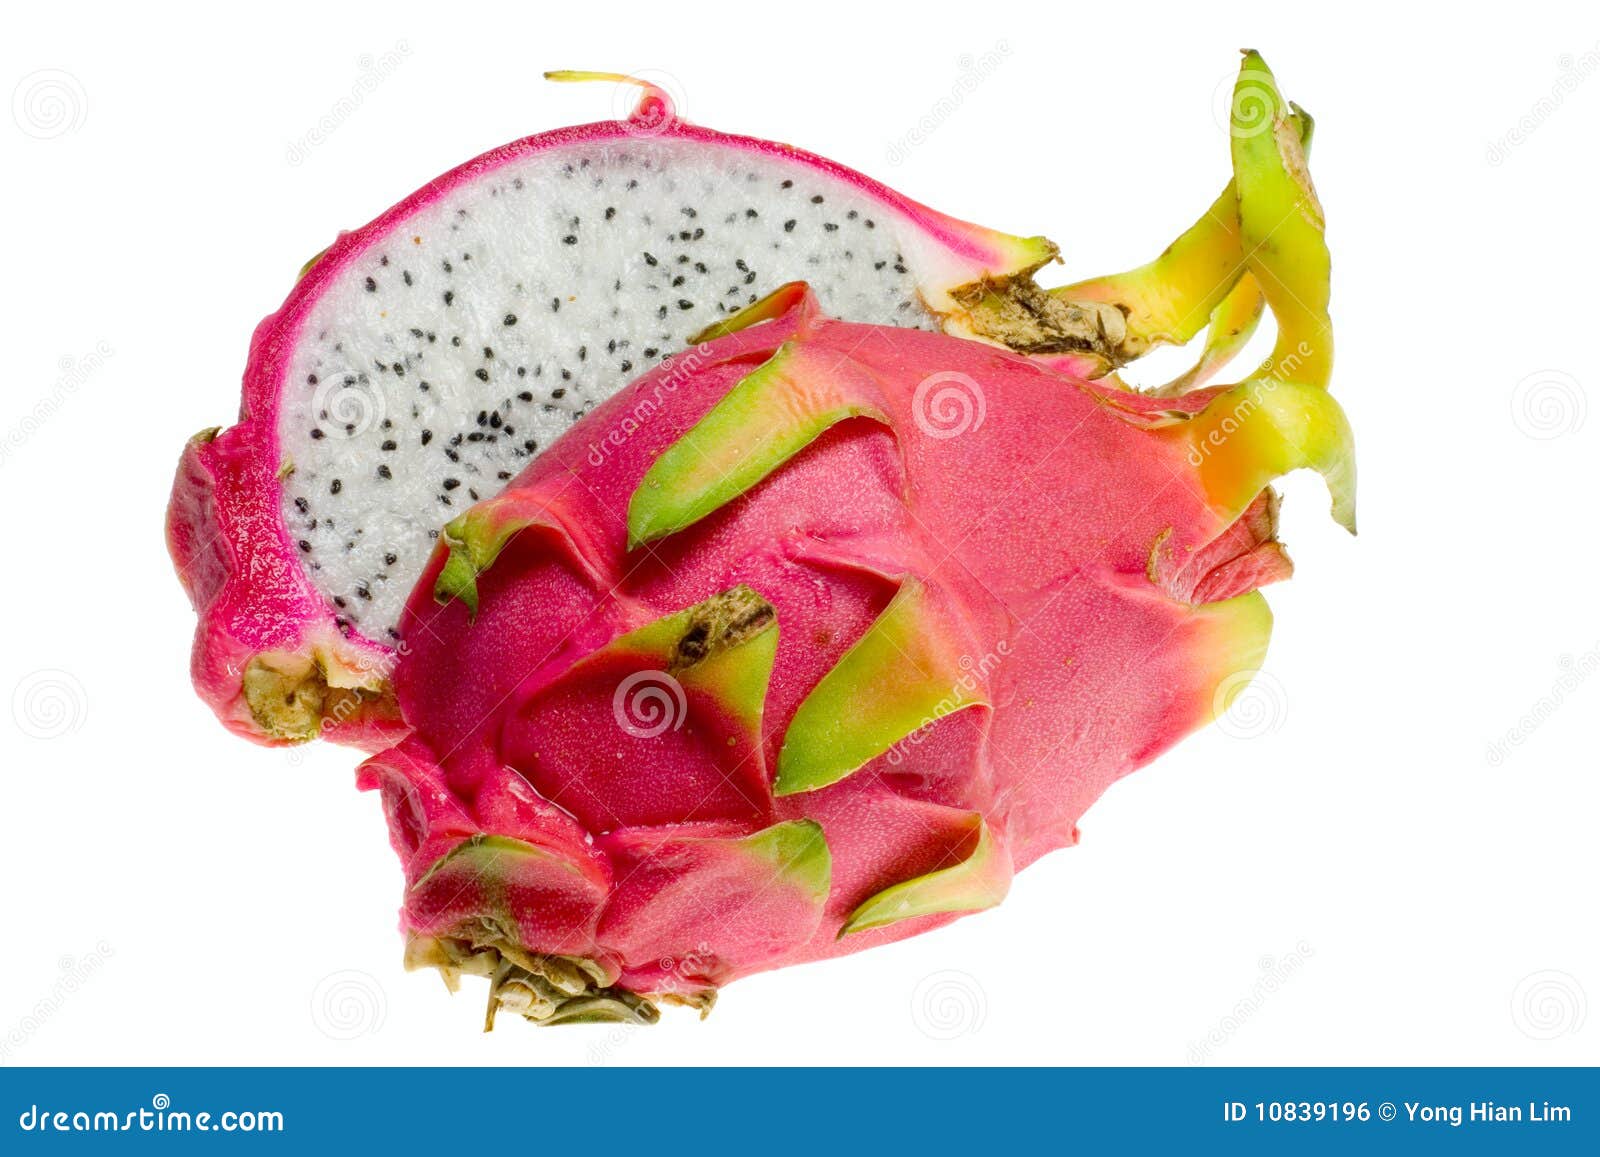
(677, 281)
(899, 267)
(399, 369)
(649, 259)
(699, 233)
(741, 266)
(481, 374)
(452, 455)
(483, 417)
(451, 483)
(509, 319)
(305, 546)
(317, 434)
(871, 224)
(558, 392)
(700, 267)
(427, 436)
(390, 558)
(852, 215)
(383, 472)
(750, 213)
(311, 379)
(338, 601)
(786, 185)
(405, 276)
(685, 303)
(879, 264)
(830, 227)
(456, 441)
(610, 212)
(522, 371)
(301, 505)
(530, 445)
(450, 296)
(447, 267)
(526, 395)
(626, 366)
(475, 436)
(336, 486)
(503, 475)
(495, 420)
(388, 445)
(372, 286)
(569, 239)
(651, 351)
(817, 199)
(788, 226)
(749, 277)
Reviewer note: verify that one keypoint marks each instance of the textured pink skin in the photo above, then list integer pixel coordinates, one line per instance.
(1060, 535)
(225, 532)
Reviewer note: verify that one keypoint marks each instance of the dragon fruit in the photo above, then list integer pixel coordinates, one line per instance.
(421, 361)
(815, 634)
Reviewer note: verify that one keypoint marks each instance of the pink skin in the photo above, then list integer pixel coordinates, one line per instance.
(1060, 538)
(233, 551)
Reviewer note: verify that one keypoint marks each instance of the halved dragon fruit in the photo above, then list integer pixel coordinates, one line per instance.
(423, 360)
(814, 635)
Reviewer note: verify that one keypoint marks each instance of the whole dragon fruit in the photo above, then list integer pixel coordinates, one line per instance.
(815, 634)
(424, 359)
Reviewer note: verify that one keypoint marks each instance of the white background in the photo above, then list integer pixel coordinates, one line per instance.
(1343, 873)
